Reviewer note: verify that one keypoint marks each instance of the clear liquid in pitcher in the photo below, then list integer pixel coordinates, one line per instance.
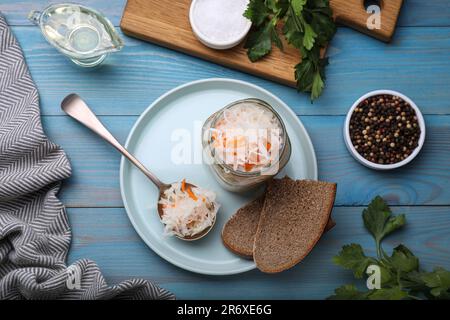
(79, 32)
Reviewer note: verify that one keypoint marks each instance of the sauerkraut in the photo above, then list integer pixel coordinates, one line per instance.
(187, 211)
(247, 137)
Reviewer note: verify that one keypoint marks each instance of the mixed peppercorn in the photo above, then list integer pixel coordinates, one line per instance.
(384, 129)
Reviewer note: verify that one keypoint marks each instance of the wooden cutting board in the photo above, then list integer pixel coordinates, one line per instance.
(166, 23)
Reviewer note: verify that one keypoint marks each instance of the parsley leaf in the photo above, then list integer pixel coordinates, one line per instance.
(394, 293)
(259, 43)
(292, 31)
(304, 74)
(309, 37)
(439, 282)
(317, 86)
(352, 257)
(404, 260)
(308, 25)
(297, 6)
(257, 12)
(321, 21)
(310, 74)
(401, 277)
(348, 292)
(380, 222)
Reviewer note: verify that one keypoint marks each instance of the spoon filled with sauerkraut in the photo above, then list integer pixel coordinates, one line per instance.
(187, 211)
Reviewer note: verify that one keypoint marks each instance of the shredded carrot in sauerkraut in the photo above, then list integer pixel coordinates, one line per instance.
(247, 137)
(187, 211)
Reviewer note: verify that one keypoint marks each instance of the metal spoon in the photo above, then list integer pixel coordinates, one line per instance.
(76, 108)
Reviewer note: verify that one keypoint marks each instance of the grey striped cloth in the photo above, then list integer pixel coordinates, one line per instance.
(34, 230)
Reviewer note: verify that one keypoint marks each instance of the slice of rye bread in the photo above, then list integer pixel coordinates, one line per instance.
(293, 219)
(238, 234)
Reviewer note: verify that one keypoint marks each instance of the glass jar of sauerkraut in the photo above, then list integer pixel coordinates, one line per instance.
(245, 144)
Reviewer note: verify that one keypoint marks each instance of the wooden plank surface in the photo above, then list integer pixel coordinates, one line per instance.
(416, 13)
(152, 20)
(415, 63)
(95, 180)
(106, 236)
(353, 13)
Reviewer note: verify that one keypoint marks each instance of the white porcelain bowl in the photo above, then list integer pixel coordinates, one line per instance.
(210, 42)
(368, 163)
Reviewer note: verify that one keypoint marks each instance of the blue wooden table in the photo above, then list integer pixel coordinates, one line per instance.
(417, 63)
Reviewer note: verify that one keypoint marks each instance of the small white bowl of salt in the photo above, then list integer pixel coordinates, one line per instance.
(219, 24)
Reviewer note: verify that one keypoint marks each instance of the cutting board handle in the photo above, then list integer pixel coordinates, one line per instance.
(353, 13)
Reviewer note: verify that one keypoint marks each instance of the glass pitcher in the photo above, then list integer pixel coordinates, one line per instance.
(82, 34)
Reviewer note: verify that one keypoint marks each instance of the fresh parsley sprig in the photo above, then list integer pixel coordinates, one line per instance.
(401, 275)
(306, 24)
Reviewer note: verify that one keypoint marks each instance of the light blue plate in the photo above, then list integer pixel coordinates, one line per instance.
(154, 138)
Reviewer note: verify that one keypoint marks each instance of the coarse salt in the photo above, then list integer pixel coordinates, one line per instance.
(220, 21)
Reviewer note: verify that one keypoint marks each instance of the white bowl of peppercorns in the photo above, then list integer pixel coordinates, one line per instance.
(384, 130)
